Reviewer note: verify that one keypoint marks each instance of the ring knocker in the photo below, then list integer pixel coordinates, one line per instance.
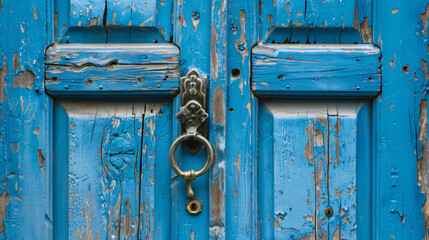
(192, 115)
(191, 175)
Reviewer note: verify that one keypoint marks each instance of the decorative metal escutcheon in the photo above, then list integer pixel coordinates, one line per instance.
(192, 115)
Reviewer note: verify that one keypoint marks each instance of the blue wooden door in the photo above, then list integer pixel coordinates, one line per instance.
(316, 114)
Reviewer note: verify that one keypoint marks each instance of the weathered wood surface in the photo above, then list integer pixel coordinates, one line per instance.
(102, 54)
(25, 129)
(109, 168)
(397, 200)
(315, 13)
(131, 13)
(103, 21)
(241, 132)
(112, 70)
(316, 70)
(308, 161)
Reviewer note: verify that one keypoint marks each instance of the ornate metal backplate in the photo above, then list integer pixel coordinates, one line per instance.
(192, 113)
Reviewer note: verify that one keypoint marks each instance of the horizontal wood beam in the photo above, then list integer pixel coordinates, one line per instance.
(316, 70)
(93, 70)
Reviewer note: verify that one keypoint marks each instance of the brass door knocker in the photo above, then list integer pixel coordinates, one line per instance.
(192, 116)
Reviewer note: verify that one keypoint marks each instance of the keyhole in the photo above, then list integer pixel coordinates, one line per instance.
(194, 207)
(329, 212)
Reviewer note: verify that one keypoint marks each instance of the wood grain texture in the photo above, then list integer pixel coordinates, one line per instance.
(25, 125)
(102, 54)
(106, 21)
(397, 199)
(109, 69)
(217, 109)
(241, 138)
(192, 34)
(318, 14)
(308, 160)
(86, 13)
(131, 13)
(109, 168)
(309, 70)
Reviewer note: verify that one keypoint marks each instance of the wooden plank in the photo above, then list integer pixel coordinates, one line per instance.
(309, 70)
(102, 70)
(342, 186)
(294, 191)
(397, 201)
(121, 80)
(102, 54)
(192, 33)
(25, 127)
(241, 138)
(86, 13)
(103, 159)
(131, 13)
(217, 109)
(316, 14)
(299, 183)
(321, 175)
(265, 173)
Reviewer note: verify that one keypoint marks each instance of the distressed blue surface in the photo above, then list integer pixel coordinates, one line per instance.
(312, 13)
(109, 169)
(96, 70)
(308, 160)
(397, 201)
(107, 21)
(316, 70)
(388, 172)
(25, 122)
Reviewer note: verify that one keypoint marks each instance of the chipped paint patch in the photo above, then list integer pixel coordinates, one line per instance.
(218, 106)
(41, 160)
(424, 16)
(35, 13)
(3, 72)
(423, 162)
(4, 201)
(25, 79)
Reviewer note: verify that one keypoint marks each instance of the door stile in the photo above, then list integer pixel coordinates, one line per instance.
(241, 172)
(217, 111)
(397, 149)
(192, 21)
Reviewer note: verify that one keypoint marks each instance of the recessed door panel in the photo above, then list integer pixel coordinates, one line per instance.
(109, 180)
(309, 168)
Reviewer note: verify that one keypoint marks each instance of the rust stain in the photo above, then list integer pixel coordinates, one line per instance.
(41, 160)
(4, 201)
(24, 80)
(36, 131)
(395, 10)
(218, 106)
